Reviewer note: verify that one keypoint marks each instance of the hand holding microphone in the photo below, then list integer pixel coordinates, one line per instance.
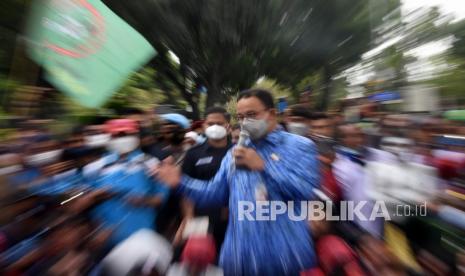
(245, 156)
(243, 136)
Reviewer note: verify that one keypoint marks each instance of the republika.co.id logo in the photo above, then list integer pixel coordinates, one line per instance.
(264, 210)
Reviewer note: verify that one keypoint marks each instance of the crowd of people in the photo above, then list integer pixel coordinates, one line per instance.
(158, 194)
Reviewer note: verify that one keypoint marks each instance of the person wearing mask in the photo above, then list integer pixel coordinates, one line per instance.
(95, 136)
(350, 173)
(318, 127)
(40, 152)
(172, 132)
(145, 123)
(203, 162)
(321, 126)
(396, 179)
(298, 120)
(131, 195)
(268, 166)
(322, 133)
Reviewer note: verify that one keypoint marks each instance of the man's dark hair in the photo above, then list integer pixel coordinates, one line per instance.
(261, 94)
(219, 110)
(319, 116)
(236, 126)
(300, 110)
(127, 111)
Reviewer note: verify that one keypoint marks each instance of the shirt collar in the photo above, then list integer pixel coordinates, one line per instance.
(352, 155)
(209, 147)
(275, 137)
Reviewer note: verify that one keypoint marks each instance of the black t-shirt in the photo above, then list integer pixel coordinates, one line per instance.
(160, 150)
(203, 161)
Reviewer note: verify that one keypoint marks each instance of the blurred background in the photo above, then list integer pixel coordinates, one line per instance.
(392, 68)
(405, 54)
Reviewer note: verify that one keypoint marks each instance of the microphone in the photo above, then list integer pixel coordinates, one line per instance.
(243, 135)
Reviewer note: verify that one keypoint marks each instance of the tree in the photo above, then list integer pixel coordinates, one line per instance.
(227, 45)
(276, 89)
(450, 81)
(139, 92)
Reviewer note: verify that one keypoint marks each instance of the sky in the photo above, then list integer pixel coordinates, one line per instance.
(423, 67)
(454, 7)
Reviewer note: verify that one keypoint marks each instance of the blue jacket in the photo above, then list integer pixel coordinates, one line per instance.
(126, 178)
(281, 247)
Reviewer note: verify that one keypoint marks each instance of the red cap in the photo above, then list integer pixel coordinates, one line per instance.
(121, 125)
(199, 251)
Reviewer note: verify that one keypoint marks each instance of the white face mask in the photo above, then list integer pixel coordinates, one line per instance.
(43, 158)
(123, 145)
(215, 132)
(298, 128)
(96, 141)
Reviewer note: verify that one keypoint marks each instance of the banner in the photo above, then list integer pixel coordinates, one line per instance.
(87, 50)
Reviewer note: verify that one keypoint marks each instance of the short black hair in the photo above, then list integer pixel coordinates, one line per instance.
(300, 110)
(261, 94)
(236, 126)
(131, 111)
(319, 116)
(218, 110)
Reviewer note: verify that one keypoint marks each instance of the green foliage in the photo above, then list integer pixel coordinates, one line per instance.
(314, 80)
(276, 89)
(339, 91)
(227, 45)
(140, 92)
(231, 108)
(7, 87)
(451, 82)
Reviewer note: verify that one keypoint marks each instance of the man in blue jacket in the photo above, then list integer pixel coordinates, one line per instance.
(122, 176)
(272, 166)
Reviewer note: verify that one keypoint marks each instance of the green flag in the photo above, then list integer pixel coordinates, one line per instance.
(87, 50)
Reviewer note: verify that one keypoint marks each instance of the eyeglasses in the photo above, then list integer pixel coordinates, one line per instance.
(249, 115)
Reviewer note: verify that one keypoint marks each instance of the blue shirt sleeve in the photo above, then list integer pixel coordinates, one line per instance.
(208, 193)
(295, 173)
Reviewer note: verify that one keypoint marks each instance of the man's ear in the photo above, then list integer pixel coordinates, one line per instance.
(273, 112)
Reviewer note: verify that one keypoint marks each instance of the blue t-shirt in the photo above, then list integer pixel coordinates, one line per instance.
(124, 178)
